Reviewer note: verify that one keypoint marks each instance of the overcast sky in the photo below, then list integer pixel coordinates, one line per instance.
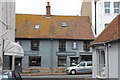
(58, 7)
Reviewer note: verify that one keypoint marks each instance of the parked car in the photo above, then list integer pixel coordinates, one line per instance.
(82, 67)
(9, 75)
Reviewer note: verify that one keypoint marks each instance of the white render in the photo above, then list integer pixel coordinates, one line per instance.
(7, 23)
(112, 63)
(102, 18)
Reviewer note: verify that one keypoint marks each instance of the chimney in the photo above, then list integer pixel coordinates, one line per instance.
(48, 10)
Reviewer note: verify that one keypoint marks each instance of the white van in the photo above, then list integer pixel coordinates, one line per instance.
(82, 67)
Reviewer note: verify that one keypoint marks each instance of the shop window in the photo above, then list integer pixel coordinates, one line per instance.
(61, 61)
(34, 61)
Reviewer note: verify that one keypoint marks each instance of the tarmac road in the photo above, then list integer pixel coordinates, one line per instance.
(59, 77)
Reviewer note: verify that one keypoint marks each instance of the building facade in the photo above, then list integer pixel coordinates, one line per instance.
(7, 31)
(106, 49)
(52, 41)
(101, 13)
(7, 23)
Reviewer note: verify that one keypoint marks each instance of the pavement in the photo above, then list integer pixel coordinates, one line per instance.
(37, 74)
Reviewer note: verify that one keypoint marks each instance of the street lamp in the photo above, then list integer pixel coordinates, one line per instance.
(95, 1)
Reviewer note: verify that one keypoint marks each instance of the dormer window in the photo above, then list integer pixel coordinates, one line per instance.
(64, 24)
(37, 27)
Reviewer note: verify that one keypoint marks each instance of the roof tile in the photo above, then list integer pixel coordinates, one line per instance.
(111, 32)
(79, 27)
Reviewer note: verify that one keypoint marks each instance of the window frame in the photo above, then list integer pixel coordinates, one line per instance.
(63, 58)
(107, 7)
(62, 45)
(73, 45)
(64, 24)
(86, 45)
(116, 7)
(33, 47)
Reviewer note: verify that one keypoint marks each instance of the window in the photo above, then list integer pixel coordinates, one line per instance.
(35, 45)
(62, 45)
(82, 64)
(86, 45)
(37, 27)
(34, 61)
(64, 24)
(107, 7)
(89, 64)
(74, 45)
(61, 61)
(116, 7)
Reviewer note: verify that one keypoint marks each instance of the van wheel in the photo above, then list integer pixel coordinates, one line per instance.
(73, 72)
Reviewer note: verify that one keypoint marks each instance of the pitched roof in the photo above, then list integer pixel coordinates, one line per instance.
(111, 32)
(78, 27)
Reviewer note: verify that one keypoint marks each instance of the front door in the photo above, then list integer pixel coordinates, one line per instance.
(18, 64)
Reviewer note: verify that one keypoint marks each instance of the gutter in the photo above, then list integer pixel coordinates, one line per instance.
(106, 42)
(55, 39)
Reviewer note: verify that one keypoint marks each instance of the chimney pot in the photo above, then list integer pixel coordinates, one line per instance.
(48, 3)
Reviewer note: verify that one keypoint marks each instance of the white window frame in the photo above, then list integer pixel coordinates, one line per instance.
(107, 8)
(116, 8)
(74, 45)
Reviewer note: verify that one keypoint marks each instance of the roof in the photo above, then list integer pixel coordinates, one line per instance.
(111, 32)
(78, 27)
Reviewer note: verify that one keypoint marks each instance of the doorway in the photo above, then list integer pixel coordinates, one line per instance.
(18, 64)
(73, 61)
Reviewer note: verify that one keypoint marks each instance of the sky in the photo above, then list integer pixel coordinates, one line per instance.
(58, 7)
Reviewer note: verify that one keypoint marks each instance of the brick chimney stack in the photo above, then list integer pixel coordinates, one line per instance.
(48, 10)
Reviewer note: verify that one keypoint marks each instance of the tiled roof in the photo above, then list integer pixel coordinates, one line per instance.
(111, 32)
(78, 27)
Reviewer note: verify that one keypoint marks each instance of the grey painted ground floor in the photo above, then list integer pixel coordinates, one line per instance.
(60, 60)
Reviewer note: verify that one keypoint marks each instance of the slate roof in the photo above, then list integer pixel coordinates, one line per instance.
(111, 32)
(78, 27)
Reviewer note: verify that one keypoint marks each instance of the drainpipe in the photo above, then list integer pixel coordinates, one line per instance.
(107, 61)
(95, 17)
(13, 62)
(51, 56)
